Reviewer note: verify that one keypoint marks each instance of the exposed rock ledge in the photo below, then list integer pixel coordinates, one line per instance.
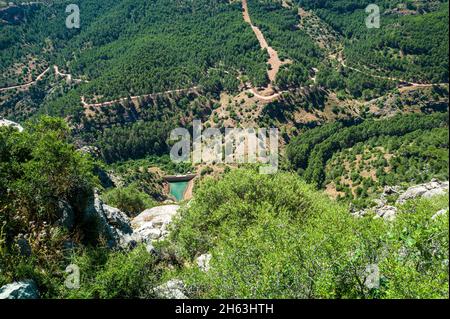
(427, 190)
(5, 122)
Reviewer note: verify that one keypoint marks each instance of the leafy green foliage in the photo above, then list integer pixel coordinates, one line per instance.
(109, 275)
(39, 168)
(296, 243)
(128, 199)
(413, 158)
(280, 26)
(318, 155)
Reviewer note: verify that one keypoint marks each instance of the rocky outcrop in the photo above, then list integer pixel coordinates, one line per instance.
(5, 122)
(203, 262)
(440, 213)
(26, 289)
(388, 212)
(173, 289)
(91, 150)
(110, 222)
(426, 190)
(152, 224)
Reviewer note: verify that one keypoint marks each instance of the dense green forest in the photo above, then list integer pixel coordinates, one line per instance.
(411, 47)
(308, 153)
(123, 48)
(280, 27)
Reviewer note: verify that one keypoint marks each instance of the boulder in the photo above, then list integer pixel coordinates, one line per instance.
(152, 223)
(112, 224)
(173, 289)
(427, 190)
(160, 216)
(117, 218)
(203, 262)
(390, 190)
(26, 289)
(90, 150)
(386, 212)
(440, 213)
(148, 233)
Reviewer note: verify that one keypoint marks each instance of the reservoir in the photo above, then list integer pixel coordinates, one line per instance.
(177, 189)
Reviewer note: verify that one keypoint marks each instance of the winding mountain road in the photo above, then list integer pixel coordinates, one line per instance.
(26, 85)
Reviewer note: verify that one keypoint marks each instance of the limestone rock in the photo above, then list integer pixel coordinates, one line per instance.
(173, 289)
(440, 213)
(203, 262)
(5, 122)
(160, 216)
(152, 223)
(386, 212)
(112, 224)
(426, 190)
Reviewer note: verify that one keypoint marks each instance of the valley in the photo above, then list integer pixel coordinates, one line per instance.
(87, 178)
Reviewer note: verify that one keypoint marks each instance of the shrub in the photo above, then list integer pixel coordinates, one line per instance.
(120, 274)
(128, 199)
(274, 237)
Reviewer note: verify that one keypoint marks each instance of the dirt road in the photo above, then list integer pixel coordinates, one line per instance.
(274, 59)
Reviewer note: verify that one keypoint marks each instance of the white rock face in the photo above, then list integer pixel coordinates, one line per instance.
(159, 216)
(26, 289)
(113, 224)
(387, 212)
(173, 289)
(152, 223)
(426, 190)
(5, 122)
(121, 232)
(203, 262)
(440, 213)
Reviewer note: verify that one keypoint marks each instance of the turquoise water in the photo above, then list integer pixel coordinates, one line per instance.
(177, 189)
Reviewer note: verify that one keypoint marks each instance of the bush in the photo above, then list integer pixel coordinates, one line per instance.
(120, 274)
(39, 167)
(128, 199)
(295, 243)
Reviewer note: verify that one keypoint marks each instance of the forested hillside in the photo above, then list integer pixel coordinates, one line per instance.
(412, 43)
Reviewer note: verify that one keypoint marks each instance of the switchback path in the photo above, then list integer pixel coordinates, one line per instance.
(136, 97)
(40, 76)
(26, 85)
